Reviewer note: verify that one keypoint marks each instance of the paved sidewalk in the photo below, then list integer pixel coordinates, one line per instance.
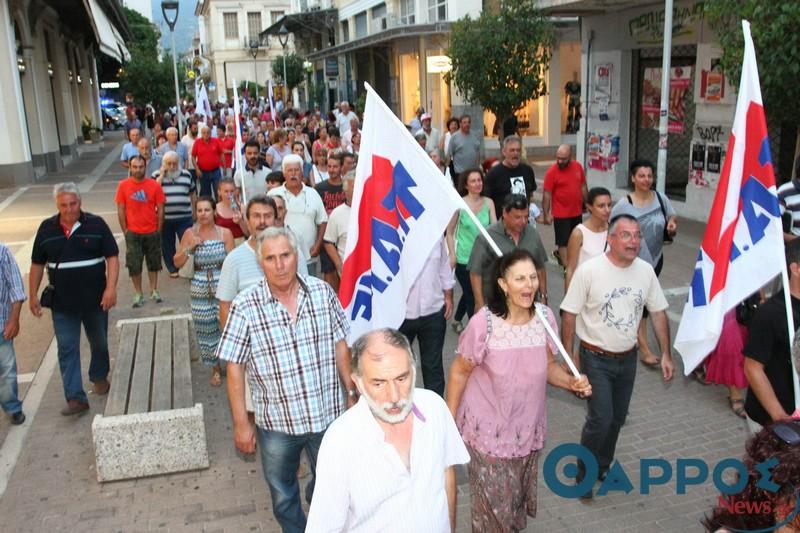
(54, 486)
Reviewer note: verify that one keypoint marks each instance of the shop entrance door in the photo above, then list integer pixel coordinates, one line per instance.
(644, 129)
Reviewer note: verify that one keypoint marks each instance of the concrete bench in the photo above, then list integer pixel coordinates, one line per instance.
(150, 425)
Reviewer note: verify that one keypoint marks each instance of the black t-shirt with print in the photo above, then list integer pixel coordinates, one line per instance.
(332, 195)
(502, 181)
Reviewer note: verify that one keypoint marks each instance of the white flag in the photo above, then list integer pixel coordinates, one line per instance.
(402, 204)
(742, 248)
(236, 160)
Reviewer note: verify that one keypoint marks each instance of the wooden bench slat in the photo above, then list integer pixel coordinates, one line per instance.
(121, 376)
(162, 367)
(182, 373)
(142, 370)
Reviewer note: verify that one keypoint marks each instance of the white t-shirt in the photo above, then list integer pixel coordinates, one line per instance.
(336, 232)
(362, 484)
(608, 301)
(304, 213)
(188, 142)
(255, 182)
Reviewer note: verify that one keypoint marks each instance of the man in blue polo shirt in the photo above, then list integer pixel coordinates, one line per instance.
(131, 148)
(82, 262)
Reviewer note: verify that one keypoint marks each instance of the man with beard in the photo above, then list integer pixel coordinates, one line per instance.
(565, 190)
(365, 479)
(511, 176)
(180, 195)
(252, 178)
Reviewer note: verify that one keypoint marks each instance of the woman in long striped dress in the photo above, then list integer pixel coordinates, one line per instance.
(208, 244)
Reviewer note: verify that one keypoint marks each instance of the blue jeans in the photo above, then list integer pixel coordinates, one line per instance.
(612, 388)
(171, 230)
(209, 181)
(280, 458)
(67, 326)
(9, 394)
(430, 330)
(466, 305)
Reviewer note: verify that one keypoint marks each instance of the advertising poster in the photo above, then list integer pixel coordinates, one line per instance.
(680, 80)
(603, 151)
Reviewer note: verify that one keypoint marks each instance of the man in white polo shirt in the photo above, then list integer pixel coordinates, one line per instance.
(305, 212)
(388, 463)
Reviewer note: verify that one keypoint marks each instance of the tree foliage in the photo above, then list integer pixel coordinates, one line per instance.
(499, 60)
(147, 79)
(294, 70)
(773, 25)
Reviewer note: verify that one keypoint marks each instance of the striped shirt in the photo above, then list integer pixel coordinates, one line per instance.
(789, 198)
(178, 193)
(11, 290)
(292, 364)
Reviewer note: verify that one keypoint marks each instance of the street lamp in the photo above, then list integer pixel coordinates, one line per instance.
(167, 9)
(283, 38)
(253, 46)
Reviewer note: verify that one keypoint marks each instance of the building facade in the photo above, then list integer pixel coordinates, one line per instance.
(230, 35)
(48, 68)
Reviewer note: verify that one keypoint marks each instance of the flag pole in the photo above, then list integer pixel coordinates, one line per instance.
(238, 145)
(787, 298)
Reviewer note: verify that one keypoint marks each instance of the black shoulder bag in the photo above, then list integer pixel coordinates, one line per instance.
(49, 292)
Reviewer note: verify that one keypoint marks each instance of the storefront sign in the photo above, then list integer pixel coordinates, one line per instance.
(603, 151)
(648, 27)
(679, 82)
(439, 64)
(332, 67)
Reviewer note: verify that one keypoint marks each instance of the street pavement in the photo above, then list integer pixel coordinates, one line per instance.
(47, 471)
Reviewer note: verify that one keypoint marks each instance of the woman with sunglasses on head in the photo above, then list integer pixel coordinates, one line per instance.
(658, 221)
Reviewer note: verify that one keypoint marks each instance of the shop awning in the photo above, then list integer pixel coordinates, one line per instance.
(317, 21)
(108, 37)
(398, 32)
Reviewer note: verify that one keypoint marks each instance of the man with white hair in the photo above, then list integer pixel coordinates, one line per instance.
(130, 148)
(344, 117)
(365, 481)
(179, 191)
(174, 145)
(431, 134)
(295, 397)
(305, 212)
(347, 136)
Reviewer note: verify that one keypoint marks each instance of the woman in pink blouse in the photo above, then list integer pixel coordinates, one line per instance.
(496, 393)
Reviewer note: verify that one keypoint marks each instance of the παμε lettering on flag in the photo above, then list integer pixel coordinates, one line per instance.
(742, 248)
(402, 204)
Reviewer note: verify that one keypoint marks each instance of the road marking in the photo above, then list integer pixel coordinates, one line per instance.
(89, 181)
(9, 453)
(10, 200)
(125, 321)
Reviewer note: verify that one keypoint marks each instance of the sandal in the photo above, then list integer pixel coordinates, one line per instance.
(737, 406)
(699, 374)
(174, 275)
(216, 379)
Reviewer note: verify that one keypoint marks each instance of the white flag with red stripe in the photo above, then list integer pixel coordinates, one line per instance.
(742, 248)
(401, 206)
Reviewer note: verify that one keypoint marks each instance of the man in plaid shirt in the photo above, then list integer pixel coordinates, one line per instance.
(291, 332)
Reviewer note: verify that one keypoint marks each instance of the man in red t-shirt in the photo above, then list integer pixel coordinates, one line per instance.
(228, 145)
(565, 190)
(140, 208)
(208, 158)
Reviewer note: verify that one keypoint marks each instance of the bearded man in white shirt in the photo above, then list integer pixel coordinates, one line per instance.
(387, 464)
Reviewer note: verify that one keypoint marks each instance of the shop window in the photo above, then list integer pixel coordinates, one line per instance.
(230, 22)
